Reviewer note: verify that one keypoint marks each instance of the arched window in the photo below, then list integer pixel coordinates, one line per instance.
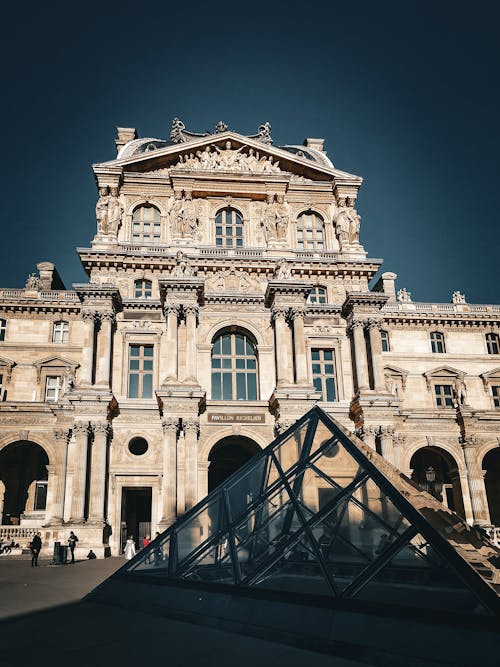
(310, 231)
(317, 295)
(3, 329)
(384, 337)
(234, 367)
(143, 289)
(437, 342)
(60, 332)
(228, 228)
(493, 343)
(146, 226)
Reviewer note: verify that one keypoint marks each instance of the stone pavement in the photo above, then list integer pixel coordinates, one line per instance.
(43, 623)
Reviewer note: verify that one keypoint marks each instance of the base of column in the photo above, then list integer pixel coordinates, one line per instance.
(77, 521)
(55, 521)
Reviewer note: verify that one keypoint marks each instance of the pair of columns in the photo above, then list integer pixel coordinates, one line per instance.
(357, 328)
(180, 467)
(102, 351)
(172, 312)
(387, 437)
(475, 479)
(285, 350)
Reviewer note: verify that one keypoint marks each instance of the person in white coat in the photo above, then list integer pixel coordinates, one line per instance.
(129, 551)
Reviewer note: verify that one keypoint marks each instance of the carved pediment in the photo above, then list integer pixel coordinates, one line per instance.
(490, 377)
(6, 366)
(56, 364)
(443, 373)
(394, 374)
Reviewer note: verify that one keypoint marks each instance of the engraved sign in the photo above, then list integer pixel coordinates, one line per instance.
(224, 418)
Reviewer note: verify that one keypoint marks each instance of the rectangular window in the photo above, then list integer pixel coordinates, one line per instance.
(437, 342)
(140, 371)
(495, 390)
(40, 496)
(384, 337)
(493, 343)
(3, 393)
(60, 332)
(3, 329)
(53, 385)
(444, 395)
(323, 374)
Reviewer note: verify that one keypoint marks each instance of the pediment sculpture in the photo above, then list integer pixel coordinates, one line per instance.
(213, 158)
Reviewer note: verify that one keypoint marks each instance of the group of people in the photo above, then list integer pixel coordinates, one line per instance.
(36, 546)
(6, 547)
(129, 550)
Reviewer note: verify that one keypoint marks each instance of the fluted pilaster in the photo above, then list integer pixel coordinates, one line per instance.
(98, 472)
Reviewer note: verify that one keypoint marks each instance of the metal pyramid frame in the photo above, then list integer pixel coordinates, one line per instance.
(319, 513)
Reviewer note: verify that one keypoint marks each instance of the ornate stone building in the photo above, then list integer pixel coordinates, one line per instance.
(228, 292)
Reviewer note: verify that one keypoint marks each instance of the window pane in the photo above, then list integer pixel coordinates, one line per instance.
(134, 364)
(226, 363)
(240, 344)
(330, 389)
(317, 384)
(240, 386)
(148, 350)
(251, 363)
(147, 386)
(216, 387)
(216, 349)
(252, 386)
(215, 363)
(315, 355)
(133, 386)
(227, 388)
(226, 344)
(328, 355)
(240, 363)
(148, 365)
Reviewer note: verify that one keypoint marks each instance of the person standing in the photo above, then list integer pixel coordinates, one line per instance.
(72, 540)
(129, 551)
(36, 547)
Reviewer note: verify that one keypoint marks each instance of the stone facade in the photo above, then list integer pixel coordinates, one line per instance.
(228, 292)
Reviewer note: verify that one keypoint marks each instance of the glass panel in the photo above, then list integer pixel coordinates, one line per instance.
(241, 390)
(134, 364)
(226, 344)
(148, 364)
(315, 355)
(133, 386)
(216, 385)
(240, 363)
(195, 530)
(216, 363)
(251, 363)
(288, 452)
(227, 387)
(317, 384)
(148, 350)
(252, 386)
(155, 557)
(247, 488)
(216, 348)
(213, 564)
(226, 363)
(330, 389)
(147, 386)
(240, 344)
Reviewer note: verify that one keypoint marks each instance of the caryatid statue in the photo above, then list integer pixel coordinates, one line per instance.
(269, 219)
(101, 211)
(182, 266)
(176, 215)
(282, 209)
(190, 216)
(115, 211)
(346, 221)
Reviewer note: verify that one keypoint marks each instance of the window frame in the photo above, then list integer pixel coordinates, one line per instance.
(443, 396)
(492, 342)
(437, 339)
(385, 339)
(58, 388)
(140, 371)
(314, 297)
(145, 292)
(139, 221)
(233, 369)
(323, 376)
(3, 329)
(236, 223)
(60, 332)
(495, 395)
(317, 241)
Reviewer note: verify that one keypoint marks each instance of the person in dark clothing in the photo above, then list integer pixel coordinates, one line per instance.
(72, 540)
(36, 547)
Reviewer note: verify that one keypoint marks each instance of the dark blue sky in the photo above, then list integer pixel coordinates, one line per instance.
(406, 94)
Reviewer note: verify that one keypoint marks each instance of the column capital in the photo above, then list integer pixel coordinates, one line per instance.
(106, 317)
(190, 309)
(171, 309)
(88, 315)
(61, 435)
(192, 425)
(374, 323)
(297, 312)
(170, 424)
(101, 427)
(279, 312)
(385, 430)
(355, 323)
(282, 425)
(80, 428)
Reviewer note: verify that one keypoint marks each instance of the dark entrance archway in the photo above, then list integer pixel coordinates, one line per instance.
(23, 471)
(136, 514)
(436, 472)
(491, 466)
(227, 456)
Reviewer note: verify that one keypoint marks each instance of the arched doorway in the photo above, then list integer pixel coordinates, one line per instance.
(491, 466)
(227, 456)
(436, 472)
(23, 471)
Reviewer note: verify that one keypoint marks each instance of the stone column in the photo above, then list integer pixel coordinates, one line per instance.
(376, 354)
(172, 315)
(87, 348)
(386, 434)
(169, 471)
(191, 432)
(191, 312)
(399, 440)
(281, 334)
(299, 340)
(367, 434)
(475, 478)
(104, 345)
(56, 482)
(360, 358)
(98, 473)
(181, 474)
(79, 464)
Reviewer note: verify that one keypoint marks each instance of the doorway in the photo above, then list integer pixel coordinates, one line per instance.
(227, 456)
(135, 515)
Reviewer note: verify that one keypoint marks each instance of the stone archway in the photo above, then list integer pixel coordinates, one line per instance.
(436, 471)
(24, 474)
(227, 456)
(491, 466)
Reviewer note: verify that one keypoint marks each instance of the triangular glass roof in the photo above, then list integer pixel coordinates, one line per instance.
(319, 513)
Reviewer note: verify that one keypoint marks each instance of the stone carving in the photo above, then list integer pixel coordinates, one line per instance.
(232, 279)
(170, 424)
(282, 217)
(214, 158)
(404, 296)
(457, 297)
(459, 392)
(33, 282)
(283, 270)
(176, 136)
(264, 133)
(108, 211)
(183, 215)
(347, 223)
(220, 127)
(182, 266)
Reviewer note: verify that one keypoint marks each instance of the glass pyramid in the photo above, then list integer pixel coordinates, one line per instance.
(319, 513)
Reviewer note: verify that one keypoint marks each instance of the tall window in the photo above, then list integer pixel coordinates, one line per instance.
(495, 390)
(3, 391)
(444, 395)
(53, 388)
(40, 495)
(229, 229)
(493, 343)
(384, 337)
(317, 295)
(143, 289)
(146, 225)
(140, 371)
(60, 332)
(437, 342)
(234, 368)
(3, 329)
(310, 231)
(323, 373)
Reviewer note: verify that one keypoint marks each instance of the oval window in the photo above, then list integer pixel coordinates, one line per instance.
(138, 446)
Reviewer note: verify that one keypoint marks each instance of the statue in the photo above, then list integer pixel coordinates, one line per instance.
(269, 219)
(190, 216)
(404, 296)
(283, 270)
(457, 297)
(228, 159)
(220, 127)
(354, 222)
(282, 209)
(33, 281)
(114, 213)
(342, 225)
(182, 266)
(176, 136)
(176, 217)
(459, 392)
(101, 211)
(264, 133)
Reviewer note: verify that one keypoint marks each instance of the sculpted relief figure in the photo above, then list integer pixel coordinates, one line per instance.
(404, 296)
(108, 211)
(458, 298)
(101, 211)
(282, 209)
(269, 219)
(228, 159)
(182, 266)
(190, 216)
(347, 222)
(283, 270)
